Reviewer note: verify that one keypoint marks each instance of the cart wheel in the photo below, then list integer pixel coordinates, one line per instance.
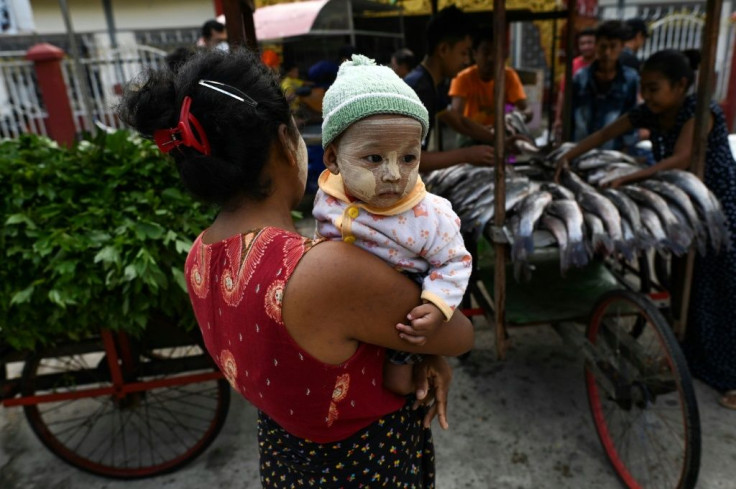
(641, 394)
(145, 433)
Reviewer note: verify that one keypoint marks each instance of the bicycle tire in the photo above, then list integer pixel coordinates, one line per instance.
(152, 433)
(646, 417)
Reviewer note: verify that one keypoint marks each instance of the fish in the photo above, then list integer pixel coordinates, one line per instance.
(597, 158)
(558, 191)
(529, 210)
(554, 155)
(599, 239)
(679, 236)
(629, 212)
(514, 123)
(701, 198)
(679, 199)
(651, 222)
(557, 228)
(594, 177)
(595, 203)
(574, 183)
(569, 212)
(525, 147)
(616, 174)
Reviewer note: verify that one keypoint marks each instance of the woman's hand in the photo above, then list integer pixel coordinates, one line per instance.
(432, 379)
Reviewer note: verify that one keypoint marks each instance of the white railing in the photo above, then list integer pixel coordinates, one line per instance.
(21, 108)
(105, 78)
(673, 27)
(675, 31)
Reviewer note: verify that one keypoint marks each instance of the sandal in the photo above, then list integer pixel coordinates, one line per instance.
(728, 400)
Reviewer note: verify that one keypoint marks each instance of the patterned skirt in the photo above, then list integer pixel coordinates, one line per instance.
(395, 451)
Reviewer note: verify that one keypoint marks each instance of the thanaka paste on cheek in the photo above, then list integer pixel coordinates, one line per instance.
(360, 182)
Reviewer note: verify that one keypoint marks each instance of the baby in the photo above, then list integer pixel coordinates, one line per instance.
(371, 195)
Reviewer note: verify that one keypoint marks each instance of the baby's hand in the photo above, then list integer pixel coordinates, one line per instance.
(424, 319)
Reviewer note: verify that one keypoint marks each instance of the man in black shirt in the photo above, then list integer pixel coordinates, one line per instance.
(448, 45)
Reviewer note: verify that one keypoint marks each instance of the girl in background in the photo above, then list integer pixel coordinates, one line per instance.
(668, 112)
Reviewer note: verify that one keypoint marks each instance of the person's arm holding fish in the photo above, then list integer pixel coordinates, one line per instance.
(618, 127)
(680, 159)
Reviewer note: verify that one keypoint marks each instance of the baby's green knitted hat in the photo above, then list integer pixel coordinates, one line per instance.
(363, 89)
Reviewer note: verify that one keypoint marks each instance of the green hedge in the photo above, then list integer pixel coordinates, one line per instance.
(93, 236)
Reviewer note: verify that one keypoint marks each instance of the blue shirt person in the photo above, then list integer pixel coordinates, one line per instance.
(605, 90)
(593, 108)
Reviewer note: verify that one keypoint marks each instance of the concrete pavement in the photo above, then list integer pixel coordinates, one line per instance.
(519, 424)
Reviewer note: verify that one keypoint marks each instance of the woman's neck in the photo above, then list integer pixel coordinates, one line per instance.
(249, 216)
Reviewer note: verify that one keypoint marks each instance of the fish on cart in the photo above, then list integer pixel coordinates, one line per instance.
(568, 211)
(679, 236)
(529, 210)
(705, 202)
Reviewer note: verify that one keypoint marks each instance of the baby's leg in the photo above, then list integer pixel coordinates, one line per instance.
(398, 370)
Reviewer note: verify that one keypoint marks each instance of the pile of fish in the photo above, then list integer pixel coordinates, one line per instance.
(668, 213)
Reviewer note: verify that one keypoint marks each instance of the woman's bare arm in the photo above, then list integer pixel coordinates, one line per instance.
(340, 296)
(680, 159)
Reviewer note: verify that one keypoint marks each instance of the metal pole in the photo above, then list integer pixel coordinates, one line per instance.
(351, 22)
(499, 90)
(706, 80)
(110, 20)
(84, 97)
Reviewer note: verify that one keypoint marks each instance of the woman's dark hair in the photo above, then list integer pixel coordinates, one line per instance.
(241, 136)
(674, 65)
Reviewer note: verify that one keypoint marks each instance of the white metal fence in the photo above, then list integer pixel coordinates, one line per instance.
(103, 78)
(21, 109)
(674, 27)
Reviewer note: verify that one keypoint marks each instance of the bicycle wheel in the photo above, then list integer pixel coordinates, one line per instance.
(641, 395)
(141, 434)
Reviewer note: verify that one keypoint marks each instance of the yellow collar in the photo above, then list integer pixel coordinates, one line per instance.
(333, 186)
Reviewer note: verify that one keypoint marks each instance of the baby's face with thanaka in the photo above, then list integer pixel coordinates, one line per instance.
(378, 158)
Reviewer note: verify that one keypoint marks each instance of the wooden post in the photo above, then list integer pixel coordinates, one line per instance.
(47, 63)
(499, 91)
(241, 29)
(700, 138)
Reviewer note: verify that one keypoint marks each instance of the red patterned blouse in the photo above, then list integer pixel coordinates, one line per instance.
(236, 287)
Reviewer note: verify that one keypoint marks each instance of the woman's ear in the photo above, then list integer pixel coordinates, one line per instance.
(330, 159)
(287, 143)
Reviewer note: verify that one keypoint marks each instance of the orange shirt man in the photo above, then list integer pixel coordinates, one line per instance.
(478, 94)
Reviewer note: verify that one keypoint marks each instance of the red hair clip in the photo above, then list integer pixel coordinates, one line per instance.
(188, 132)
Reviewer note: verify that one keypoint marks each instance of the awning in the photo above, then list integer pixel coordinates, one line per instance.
(286, 19)
(314, 17)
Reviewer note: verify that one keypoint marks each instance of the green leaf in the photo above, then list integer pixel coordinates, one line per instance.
(108, 254)
(20, 218)
(179, 278)
(23, 296)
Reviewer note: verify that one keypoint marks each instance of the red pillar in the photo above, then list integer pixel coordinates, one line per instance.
(218, 7)
(47, 62)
